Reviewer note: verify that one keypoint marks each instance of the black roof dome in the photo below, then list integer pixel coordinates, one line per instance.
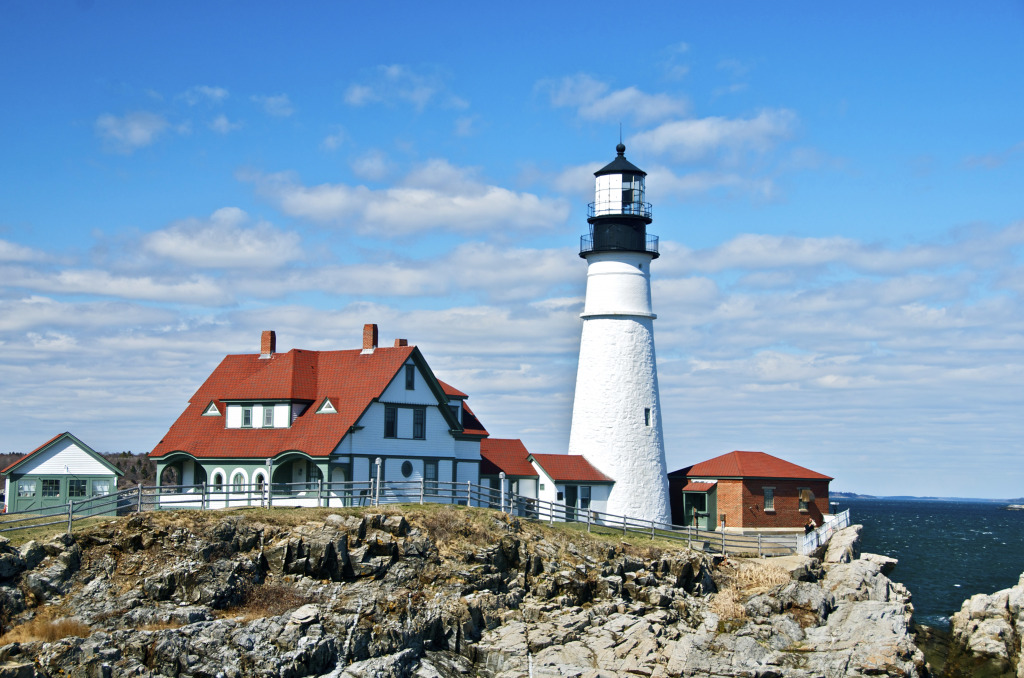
(620, 165)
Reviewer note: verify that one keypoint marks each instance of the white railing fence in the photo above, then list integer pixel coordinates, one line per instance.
(373, 493)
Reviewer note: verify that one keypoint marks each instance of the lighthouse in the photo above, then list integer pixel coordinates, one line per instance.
(616, 414)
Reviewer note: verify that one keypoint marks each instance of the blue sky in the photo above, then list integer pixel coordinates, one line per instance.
(837, 191)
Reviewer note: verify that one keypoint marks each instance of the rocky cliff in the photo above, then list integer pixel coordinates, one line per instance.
(433, 592)
(987, 635)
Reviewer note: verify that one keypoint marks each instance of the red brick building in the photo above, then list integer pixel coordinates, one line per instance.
(753, 490)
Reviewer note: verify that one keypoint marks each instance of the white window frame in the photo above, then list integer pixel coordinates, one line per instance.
(769, 499)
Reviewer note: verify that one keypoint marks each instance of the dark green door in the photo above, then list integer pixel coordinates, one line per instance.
(571, 497)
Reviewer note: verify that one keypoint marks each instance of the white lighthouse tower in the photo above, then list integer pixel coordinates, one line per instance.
(616, 416)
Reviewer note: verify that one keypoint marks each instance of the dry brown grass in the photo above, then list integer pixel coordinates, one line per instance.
(44, 627)
(269, 599)
(726, 604)
(453, 527)
(757, 576)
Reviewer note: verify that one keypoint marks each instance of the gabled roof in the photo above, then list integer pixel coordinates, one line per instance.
(505, 454)
(351, 379)
(13, 467)
(451, 391)
(569, 468)
(739, 464)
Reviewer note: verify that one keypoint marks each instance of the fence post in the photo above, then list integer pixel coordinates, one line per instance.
(501, 480)
(759, 554)
(623, 524)
(423, 488)
(551, 514)
(588, 520)
(652, 528)
(723, 540)
(71, 513)
(689, 537)
(202, 497)
(376, 490)
(469, 493)
(140, 498)
(319, 492)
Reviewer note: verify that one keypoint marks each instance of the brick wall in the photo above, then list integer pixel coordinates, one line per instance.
(746, 503)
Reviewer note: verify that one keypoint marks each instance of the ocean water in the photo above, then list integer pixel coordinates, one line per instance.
(948, 550)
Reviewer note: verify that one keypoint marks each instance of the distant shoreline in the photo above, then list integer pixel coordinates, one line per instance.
(854, 495)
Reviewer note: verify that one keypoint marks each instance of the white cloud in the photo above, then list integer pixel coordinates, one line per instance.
(204, 93)
(278, 105)
(225, 240)
(400, 84)
(593, 100)
(222, 125)
(373, 165)
(695, 139)
(13, 252)
(434, 196)
(131, 131)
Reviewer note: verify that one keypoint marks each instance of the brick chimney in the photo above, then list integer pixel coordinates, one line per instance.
(268, 343)
(369, 337)
(401, 342)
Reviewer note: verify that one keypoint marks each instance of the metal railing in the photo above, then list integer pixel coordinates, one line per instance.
(815, 539)
(619, 242)
(372, 493)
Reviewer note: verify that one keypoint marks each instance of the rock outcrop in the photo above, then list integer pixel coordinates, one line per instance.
(988, 634)
(433, 593)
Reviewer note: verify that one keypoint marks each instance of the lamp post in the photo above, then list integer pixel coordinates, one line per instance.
(270, 477)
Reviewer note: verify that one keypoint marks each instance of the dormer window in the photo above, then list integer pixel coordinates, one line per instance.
(268, 416)
(326, 407)
(211, 410)
(456, 409)
(246, 416)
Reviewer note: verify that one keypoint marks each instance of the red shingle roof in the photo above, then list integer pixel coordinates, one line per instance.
(505, 454)
(740, 464)
(451, 391)
(570, 468)
(698, 487)
(351, 379)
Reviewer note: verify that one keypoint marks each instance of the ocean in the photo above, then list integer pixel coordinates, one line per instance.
(948, 550)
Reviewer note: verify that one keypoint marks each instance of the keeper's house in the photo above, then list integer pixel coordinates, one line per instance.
(298, 418)
(60, 470)
(753, 490)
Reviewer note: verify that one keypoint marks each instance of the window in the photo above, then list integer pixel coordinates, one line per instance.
(456, 410)
(218, 482)
(247, 416)
(430, 477)
(76, 487)
(406, 468)
(769, 498)
(26, 488)
(419, 417)
(100, 488)
(390, 421)
(647, 416)
(804, 493)
(410, 377)
(51, 487)
(584, 497)
(268, 416)
(237, 482)
(259, 483)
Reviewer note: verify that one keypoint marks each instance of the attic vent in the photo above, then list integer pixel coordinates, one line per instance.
(211, 410)
(326, 407)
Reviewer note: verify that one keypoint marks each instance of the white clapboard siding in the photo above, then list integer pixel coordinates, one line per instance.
(64, 456)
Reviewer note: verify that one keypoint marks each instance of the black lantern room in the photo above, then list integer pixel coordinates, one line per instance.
(619, 215)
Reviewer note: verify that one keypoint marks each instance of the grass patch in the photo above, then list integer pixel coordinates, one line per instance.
(48, 532)
(269, 599)
(45, 628)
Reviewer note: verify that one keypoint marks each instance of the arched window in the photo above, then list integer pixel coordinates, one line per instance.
(260, 480)
(218, 482)
(238, 482)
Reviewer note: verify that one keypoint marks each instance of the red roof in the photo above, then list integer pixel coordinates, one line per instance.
(739, 464)
(451, 391)
(21, 459)
(351, 379)
(698, 487)
(569, 468)
(505, 454)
